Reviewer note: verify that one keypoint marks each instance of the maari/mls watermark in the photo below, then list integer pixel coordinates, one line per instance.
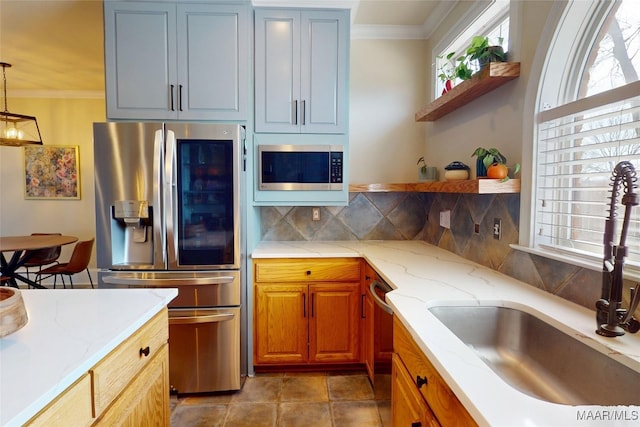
(617, 414)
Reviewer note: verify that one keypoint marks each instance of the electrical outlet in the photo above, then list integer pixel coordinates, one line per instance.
(315, 214)
(445, 219)
(497, 228)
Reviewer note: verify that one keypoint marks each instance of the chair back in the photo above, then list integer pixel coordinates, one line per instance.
(43, 256)
(80, 257)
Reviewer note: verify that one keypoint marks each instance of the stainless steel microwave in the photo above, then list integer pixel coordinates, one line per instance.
(300, 167)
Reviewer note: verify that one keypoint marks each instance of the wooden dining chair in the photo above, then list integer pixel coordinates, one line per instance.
(78, 262)
(42, 257)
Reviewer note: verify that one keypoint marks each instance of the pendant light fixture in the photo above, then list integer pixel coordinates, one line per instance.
(16, 130)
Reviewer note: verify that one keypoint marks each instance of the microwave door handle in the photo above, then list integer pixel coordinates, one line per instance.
(170, 194)
(159, 253)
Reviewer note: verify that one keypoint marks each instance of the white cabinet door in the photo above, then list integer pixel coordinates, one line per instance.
(140, 59)
(212, 62)
(301, 61)
(324, 53)
(277, 75)
(169, 61)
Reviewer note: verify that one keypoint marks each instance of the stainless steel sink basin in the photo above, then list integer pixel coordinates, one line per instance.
(540, 360)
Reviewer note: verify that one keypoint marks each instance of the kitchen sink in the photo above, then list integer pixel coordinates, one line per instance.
(539, 359)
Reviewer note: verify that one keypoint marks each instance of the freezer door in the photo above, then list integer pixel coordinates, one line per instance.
(202, 194)
(204, 350)
(128, 162)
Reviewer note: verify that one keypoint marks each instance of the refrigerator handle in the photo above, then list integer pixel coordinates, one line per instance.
(159, 253)
(170, 196)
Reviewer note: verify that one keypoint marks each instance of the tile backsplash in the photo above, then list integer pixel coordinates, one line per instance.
(416, 216)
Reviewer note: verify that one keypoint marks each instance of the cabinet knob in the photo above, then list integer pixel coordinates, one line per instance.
(145, 351)
(420, 381)
(308, 272)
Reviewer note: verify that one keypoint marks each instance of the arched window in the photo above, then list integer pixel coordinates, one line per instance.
(588, 121)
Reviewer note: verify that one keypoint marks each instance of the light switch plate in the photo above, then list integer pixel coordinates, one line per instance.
(445, 219)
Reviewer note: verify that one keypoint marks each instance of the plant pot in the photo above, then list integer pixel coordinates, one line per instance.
(496, 54)
(481, 170)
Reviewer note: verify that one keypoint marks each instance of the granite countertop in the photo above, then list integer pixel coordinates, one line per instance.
(68, 332)
(423, 276)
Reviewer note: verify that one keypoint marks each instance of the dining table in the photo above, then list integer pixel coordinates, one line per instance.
(20, 246)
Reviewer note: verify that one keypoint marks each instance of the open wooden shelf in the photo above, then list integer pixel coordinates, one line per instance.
(493, 75)
(469, 186)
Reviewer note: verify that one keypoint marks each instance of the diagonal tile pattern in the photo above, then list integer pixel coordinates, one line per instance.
(415, 216)
(291, 400)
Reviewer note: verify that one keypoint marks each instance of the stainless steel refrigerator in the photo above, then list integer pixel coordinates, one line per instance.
(168, 215)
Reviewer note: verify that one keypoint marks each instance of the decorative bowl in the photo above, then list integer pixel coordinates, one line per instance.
(13, 314)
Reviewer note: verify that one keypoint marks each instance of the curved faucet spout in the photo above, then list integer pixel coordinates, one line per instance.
(610, 317)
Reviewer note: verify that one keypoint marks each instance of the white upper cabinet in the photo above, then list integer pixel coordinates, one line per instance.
(301, 70)
(169, 61)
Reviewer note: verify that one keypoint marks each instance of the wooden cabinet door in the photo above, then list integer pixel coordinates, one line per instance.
(408, 408)
(280, 324)
(140, 59)
(334, 322)
(212, 61)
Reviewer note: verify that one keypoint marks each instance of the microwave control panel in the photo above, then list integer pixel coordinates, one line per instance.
(336, 167)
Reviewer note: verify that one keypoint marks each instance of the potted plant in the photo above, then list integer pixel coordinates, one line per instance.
(480, 50)
(460, 67)
(492, 164)
(422, 169)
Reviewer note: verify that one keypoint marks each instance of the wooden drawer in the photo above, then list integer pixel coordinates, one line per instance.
(444, 404)
(112, 374)
(145, 402)
(71, 408)
(308, 270)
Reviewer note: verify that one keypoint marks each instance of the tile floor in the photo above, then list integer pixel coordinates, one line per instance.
(289, 400)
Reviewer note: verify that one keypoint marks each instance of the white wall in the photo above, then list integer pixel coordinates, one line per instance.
(388, 82)
(61, 122)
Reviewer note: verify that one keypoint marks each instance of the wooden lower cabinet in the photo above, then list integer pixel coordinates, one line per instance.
(307, 311)
(407, 405)
(128, 387)
(415, 377)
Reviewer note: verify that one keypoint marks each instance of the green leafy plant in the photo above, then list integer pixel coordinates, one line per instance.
(479, 50)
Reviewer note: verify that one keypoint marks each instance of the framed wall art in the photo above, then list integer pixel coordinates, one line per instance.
(51, 172)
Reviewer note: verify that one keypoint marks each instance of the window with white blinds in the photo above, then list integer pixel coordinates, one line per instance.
(579, 144)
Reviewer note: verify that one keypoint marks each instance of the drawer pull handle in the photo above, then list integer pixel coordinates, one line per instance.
(420, 381)
(416, 424)
(145, 351)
